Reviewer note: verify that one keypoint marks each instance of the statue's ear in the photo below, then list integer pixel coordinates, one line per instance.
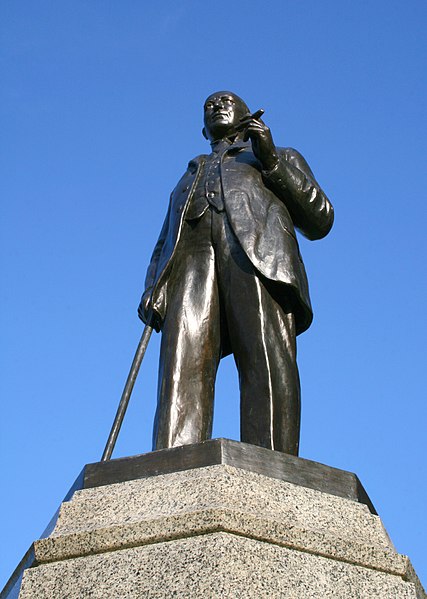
(204, 133)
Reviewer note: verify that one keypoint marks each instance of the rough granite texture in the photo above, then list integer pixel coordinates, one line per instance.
(212, 565)
(203, 522)
(220, 486)
(216, 531)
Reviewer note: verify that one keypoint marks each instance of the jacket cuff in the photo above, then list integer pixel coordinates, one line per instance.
(272, 170)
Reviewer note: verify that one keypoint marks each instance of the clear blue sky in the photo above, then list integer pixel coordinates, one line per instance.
(101, 108)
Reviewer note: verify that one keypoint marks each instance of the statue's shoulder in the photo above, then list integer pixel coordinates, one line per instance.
(290, 154)
(194, 163)
(296, 159)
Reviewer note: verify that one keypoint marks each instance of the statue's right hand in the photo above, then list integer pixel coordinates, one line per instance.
(145, 311)
(143, 308)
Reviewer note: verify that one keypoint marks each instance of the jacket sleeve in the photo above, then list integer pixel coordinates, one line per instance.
(294, 183)
(152, 267)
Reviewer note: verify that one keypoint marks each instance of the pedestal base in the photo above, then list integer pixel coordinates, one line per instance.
(218, 530)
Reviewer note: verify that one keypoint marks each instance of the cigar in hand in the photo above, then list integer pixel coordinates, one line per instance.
(244, 120)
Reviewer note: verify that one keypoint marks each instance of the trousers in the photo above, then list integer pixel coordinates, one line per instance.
(217, 300)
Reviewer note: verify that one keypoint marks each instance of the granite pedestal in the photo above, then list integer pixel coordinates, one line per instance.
(219, 519)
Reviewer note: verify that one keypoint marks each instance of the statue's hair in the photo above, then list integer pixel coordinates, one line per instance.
(235, 96)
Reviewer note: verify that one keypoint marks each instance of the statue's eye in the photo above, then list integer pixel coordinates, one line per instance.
(208, 105)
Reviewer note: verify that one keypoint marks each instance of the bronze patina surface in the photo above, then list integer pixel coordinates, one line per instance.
(226, 276)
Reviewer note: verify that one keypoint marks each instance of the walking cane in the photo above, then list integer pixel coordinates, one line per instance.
(124, 400)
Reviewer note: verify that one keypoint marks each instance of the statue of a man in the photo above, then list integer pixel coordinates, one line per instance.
(226, 276)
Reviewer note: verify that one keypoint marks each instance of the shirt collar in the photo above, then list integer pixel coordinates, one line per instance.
(235, 141)
(228, 141)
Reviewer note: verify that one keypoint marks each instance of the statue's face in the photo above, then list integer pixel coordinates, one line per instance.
(222, 112)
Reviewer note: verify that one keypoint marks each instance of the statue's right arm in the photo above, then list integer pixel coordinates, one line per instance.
(145, 303)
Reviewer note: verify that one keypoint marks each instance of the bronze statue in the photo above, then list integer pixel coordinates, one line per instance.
(226, 276)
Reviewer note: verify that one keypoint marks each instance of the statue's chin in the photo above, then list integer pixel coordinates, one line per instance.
(220, 130)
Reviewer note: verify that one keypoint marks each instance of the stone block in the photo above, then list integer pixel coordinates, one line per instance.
(211, 565)
(226, 522)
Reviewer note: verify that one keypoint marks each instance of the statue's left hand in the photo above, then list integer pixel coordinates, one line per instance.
(262, 141)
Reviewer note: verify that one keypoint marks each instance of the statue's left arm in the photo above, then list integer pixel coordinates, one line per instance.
(294, 183)
(288, 175)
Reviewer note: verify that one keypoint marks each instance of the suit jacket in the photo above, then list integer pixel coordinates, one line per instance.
(263, 209)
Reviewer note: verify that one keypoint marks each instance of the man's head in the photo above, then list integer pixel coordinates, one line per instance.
(222, 112)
